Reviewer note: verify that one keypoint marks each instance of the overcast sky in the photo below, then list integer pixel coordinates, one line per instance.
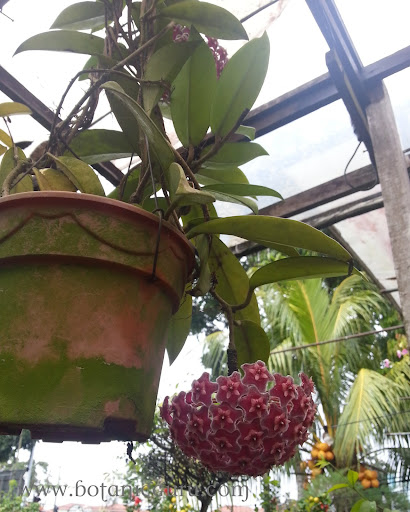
(311, 150)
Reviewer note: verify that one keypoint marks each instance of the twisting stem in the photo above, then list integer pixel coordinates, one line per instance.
(232, 352)
(219, 142)
(119, 65)
(20, 169)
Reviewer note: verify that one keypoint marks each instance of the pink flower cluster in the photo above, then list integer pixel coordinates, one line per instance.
(181, 34)
(242, 426)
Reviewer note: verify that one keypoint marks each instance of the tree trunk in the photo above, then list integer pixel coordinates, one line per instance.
(205, 502)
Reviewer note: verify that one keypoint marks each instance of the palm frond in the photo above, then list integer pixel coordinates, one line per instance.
(372, 403)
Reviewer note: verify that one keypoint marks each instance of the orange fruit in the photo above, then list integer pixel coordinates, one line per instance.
(321, 454)
(373, 475)
(314, 453)
(311, 464)
(368, 474)
(329, 456)
(375, 483)
(303, 465)
(366, 483)
(361, 476)
(316, 471)
(325, 447)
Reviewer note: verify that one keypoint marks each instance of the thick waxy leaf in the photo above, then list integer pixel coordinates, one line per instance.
(68, 41)
(165, 65)
(211, 176)
(52, 179)
(195, 215)
(94, 146)
(207, 18)
(158, 144)
(233, 154)
(264, 230)
(81, 16)
(252, 343)
(5, 138)
(298, 268)
(239, 85)
(8, 164)
(192, 95)
(127, 121)
(179, 328)
(240, 189)
(232, 280)
(181, 192)
(247, 131)
(12, 108)
(230, 198)
(80, 174)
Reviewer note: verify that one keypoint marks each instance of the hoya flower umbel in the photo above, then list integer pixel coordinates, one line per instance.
(242, 425)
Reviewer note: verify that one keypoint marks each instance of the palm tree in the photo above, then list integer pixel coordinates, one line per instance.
(353, 394)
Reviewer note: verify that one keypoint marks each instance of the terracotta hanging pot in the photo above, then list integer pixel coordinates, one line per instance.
(83, 322)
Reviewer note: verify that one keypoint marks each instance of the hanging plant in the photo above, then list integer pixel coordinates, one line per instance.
(139, 255)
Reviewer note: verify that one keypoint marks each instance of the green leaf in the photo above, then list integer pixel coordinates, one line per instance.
(192, 95)
(322, 463)
(265, 229)
(233, 154)
(94, 146)
(239, 189)
(179, 328)
(165, 65)
(181, 192)
(230, 198)
(52, 179)
(125, 118)
(7, 165)
(5, 138)
(3, 149)
(207, 18)
(239, 85)
(232, 282)
(305, 267)
(352, 477)
(12, 108)
(252, 343)
(357, 505)
(338, 486)
(131, 185)
(211, 176)
(81, 16)
(80, 174)
(68, 41)
(364, 506)
(158, 144)
(247, 131)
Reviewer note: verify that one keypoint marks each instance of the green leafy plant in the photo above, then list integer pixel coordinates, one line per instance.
(145, 73)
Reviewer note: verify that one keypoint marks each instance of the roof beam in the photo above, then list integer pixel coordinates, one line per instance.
(318, 93)
(44, 116)
(325, 193)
